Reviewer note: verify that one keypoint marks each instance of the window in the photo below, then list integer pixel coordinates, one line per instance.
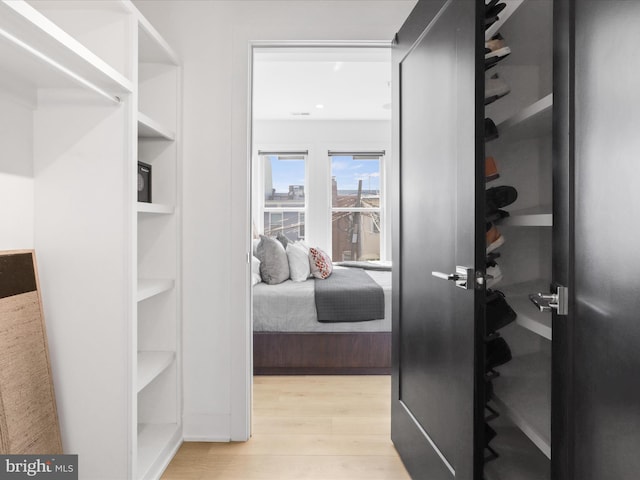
(284, 199)
(355, 205)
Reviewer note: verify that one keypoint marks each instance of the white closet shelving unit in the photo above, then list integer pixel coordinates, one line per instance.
(158, 261)
(522, 392)
(88, 89)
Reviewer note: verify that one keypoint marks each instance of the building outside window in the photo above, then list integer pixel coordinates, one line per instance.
(284, 200)
(356, 205)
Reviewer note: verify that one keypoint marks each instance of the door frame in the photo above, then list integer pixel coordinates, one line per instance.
(241, 392)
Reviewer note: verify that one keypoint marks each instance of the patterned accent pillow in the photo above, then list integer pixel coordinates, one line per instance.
(320, 263)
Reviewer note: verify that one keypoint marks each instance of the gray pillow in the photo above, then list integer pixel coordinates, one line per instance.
(274, 265)
(281, 237)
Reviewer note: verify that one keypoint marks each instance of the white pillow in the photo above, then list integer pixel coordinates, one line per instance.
(255, 271)
(298, 256)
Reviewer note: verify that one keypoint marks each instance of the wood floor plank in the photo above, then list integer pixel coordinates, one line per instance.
(304, 428)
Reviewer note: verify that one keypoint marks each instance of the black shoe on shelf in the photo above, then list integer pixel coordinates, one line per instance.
(491, 258)
(494, 9)
(499, 313)
(490, 130)
(488, 21)
(490, 4)
(499, 197)
(489, 434)
(497, 215)
(498, 353)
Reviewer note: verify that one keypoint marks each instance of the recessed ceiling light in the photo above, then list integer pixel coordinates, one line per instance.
(303, 114)
(320, 106)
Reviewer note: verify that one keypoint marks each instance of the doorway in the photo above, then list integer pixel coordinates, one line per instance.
(320, 150)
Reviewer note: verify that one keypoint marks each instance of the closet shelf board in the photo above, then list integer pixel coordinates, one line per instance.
(529, 217)
(523, 394)
(36, 50)
(519, 458)
(152, 48)
(532, 121)
(157, 208)
(503, 16)
(157, 443)
(529, 316)
(149, 128)
(148, 288)
(152, 364)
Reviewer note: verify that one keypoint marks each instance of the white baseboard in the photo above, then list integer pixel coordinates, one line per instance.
(207, 428)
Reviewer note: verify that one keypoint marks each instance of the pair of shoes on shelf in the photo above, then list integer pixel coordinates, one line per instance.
(494, 88)
(497, 353)
(498, 312)
(494, 238)
(499, 197)
(491, 11)
(496, 198)
(495, 50)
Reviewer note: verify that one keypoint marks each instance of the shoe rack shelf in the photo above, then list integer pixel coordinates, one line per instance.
(522, 391)
(509, 9)
(518, 460)
(529, 217)
(529, 316)
(531, 122)
(523, 394)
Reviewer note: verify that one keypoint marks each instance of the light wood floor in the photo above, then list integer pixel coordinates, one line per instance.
(305, 427)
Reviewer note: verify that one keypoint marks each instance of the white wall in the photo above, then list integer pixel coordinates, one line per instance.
(16, 174)
(213, 39)
(319, 136)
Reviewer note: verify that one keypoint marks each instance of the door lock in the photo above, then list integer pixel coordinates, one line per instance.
(462, 277)
(547, 302)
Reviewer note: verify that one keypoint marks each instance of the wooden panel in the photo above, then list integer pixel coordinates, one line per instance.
(321, 353)
(28, 415)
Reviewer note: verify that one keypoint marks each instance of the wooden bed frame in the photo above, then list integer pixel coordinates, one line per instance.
(285, 353)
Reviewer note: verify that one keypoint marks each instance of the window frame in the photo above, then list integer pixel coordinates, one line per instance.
(380, 210)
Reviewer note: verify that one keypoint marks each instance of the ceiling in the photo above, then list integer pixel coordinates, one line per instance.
(322, 83)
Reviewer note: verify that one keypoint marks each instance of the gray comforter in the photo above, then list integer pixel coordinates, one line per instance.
(348, 295)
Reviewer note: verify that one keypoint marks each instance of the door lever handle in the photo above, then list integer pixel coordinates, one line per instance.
(547, 302)
(463, 277)
(447, 276)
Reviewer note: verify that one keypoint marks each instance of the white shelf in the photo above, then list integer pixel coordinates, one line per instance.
(152, 48)
(149, 128)
(148, 288)
(152, 364)
(523, 394)
(503, 16)
(158, 208)
(157, 443)
(530, 122)
(38, 52)
(529, 316)
(519, 458)
(529, 217)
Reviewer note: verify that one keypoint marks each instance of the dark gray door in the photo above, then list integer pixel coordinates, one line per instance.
(439, 168)
(602, 83)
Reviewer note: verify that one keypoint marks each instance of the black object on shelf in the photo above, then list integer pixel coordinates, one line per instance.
(499, 313)
(490, 130)
(498, 353)
(144, 182)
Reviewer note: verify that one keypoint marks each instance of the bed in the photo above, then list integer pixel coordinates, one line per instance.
(289, 339)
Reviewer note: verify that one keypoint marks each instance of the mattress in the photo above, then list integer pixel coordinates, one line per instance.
(290, 307)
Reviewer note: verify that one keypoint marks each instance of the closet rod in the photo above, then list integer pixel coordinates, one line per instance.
(373, 153)
(57, 66)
